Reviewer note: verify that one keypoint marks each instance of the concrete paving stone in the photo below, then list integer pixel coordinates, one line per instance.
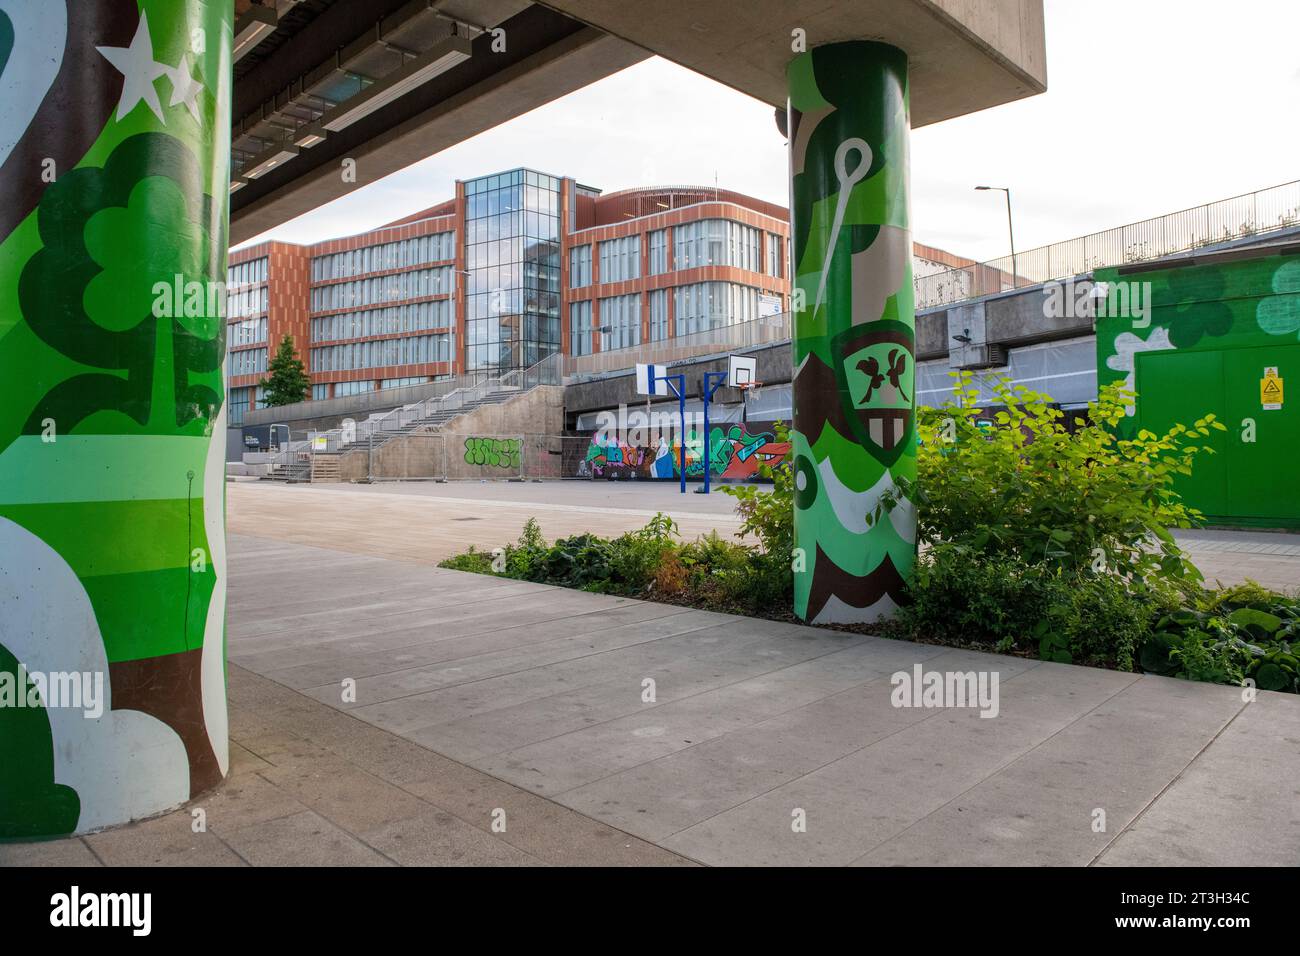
(435, 627)
(71, 851)
(363, 610)
(437, 838)
(304, 670)
(659, 798)
(563, 837)
(282, 749)
(460, 701)
(244, 761)
(563, 763)
(859, 801)
(246, 722)
(556, 642)
(241, 800)
(1116, 758)
(449, 609)
(501, 729)
(344, 794)
(1238, 804)
(558, 655)
(167, 840)
(303, 839)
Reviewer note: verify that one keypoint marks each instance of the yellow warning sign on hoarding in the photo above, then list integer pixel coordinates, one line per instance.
(1270, 389)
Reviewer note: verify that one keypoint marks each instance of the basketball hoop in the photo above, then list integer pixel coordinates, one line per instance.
(749, 389)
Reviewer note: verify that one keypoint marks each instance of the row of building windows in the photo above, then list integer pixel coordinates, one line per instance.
(580, 267)
(393, 319)
(515, 275)
(247, 332)
(501, 302)
(620, 259)
(716, 242)
(620, 322)
(403, 382)
(708, 242)
(658, 252)
(517, 197)
(514, 177)
(698, 307)
(400, 285)
(341, 389)
(246, 273)
(703, 306)
(410, 350)
(389, 255)
(240, 400)
(246, 362)
(248, 302)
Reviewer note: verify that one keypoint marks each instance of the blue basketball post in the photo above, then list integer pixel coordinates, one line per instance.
(718, 379)
(678, 384)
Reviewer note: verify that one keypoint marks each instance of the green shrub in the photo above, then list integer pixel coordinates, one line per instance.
(478, 562)
(635, 556)
(966, 597)
(769, 513)
(1027, 487)
(1229, 636)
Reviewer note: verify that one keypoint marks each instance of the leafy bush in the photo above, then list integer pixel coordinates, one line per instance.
(966, 597)
(1240, 633)
(478, 562)
(1025, 486)
(769, 514)
(708, 572)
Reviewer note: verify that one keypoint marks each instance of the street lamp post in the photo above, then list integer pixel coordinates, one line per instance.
(1010, 232)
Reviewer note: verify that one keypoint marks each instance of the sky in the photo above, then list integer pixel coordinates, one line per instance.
(1152, 106)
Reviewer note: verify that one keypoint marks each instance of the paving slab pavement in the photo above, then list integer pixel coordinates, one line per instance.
(475, 695)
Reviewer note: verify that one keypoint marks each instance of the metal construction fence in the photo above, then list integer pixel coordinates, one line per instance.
(439, 456)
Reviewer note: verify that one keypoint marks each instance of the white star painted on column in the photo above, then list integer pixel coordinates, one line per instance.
(185, 89)
(138, 69)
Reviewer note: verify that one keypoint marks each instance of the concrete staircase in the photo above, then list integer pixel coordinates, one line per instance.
(325, 467)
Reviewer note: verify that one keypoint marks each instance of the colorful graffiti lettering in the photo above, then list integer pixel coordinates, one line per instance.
(734, 452)
(493, 452)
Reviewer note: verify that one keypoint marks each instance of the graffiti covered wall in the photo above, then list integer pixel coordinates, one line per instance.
(736, 451)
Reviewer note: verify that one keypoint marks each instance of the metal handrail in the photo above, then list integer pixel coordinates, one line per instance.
(1237, 217)
(375, 431)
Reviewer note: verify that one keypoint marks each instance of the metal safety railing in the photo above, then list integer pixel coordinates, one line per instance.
(1238, 217)
(466, 392)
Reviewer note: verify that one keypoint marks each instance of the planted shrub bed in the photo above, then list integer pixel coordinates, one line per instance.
(1036, 540)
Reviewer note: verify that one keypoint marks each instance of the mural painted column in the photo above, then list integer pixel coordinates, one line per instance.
(114, 172)
(854, 330)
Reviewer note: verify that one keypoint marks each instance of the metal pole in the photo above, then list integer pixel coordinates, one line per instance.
(1011, 233)
(708, 391)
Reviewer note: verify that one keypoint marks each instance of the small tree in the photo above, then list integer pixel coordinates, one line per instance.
(288, 382)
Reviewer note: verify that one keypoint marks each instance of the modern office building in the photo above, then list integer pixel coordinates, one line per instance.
(517, 266)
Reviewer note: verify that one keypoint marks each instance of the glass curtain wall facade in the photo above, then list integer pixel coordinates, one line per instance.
(512, 255)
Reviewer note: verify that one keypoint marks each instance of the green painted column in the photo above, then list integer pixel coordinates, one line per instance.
(854, 330)
(114, 173)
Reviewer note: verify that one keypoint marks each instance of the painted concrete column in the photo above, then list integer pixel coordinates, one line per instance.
(854, 329)
(114, 172)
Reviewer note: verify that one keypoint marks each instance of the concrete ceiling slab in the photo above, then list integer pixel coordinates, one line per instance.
(966, 55)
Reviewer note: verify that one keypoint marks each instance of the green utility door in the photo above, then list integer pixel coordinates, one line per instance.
(1247, 482)
(1263, 475)
(1175, 387)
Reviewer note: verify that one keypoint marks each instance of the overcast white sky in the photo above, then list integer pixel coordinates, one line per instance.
(1152, 106)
